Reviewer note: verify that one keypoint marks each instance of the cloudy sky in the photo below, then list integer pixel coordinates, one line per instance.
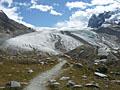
(56, 13)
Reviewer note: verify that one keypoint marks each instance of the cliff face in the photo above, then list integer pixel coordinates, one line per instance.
(11, 27)
(97, 21)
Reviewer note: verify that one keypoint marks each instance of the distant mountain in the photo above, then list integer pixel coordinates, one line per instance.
(110, 17)
(11, 27)
(97, 21)
(56, 41)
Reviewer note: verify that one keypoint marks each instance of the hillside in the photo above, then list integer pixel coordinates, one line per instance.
(8, 26)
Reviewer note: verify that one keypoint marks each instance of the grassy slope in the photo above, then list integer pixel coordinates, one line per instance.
(15, 67)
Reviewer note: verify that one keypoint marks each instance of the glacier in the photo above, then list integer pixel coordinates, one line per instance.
(57, 41)
(46, 41)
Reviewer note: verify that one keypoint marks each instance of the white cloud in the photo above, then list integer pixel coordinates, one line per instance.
(102, 8)
(22, 4)
(76, 4)
(79, 19)
(102, 2)
(12, 14)
(34, 1)
(53, 12)
(43, 8)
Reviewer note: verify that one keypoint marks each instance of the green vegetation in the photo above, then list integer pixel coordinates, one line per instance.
(16, 67)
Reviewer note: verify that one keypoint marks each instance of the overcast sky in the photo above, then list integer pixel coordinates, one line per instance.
(56, 13)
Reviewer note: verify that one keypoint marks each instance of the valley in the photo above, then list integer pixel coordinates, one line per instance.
(60, 58)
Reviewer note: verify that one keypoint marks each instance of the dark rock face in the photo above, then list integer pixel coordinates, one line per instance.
(93, 21)
(11, 27)
(97, 21)
(115, 31)
(119, 23)
(3, 16)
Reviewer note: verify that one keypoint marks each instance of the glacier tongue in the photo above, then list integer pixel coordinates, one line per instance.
(56, 42)
(46, 41)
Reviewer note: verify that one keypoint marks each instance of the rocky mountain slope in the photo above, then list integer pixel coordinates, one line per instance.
(10, 28)
(111, 17)
(56, 41)
(63, 41)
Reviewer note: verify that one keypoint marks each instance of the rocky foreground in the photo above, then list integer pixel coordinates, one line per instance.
(86, 70)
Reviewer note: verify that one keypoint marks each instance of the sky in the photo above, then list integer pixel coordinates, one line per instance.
(63, 14)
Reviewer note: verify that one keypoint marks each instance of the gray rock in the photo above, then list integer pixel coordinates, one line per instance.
(92, 84)
(64, 78)
(52, 81)
(55, 83)
(78, 65)
(116, 81)
(70, 83)
(102, 69)
(100, 75)
(13, 84)
(30, 71)
(100, 61)
(77, 86)
(116, 73)
(84, 77)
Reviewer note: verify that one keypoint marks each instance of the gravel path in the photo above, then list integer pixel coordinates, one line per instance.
(39, 82)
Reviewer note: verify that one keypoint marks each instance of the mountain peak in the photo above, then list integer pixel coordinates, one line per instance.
(3, 15)
(97, 21)
(11, 27)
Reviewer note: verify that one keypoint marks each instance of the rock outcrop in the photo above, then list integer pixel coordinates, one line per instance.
(97, 21)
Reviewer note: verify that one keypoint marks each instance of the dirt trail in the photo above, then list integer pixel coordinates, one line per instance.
(39, 82)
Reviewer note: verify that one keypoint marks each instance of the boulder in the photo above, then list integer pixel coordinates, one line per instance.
(102, 69)
(115, 73)
(100, 61)
(52, 81)
(77, 65)
(42, 63)
(30, 71)
(64, 78)
(13, 84)
(116, 81)
(92, 84)
(55, 83)
(84, 77)
(70, 83)
(100, 75)
(77, 86)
